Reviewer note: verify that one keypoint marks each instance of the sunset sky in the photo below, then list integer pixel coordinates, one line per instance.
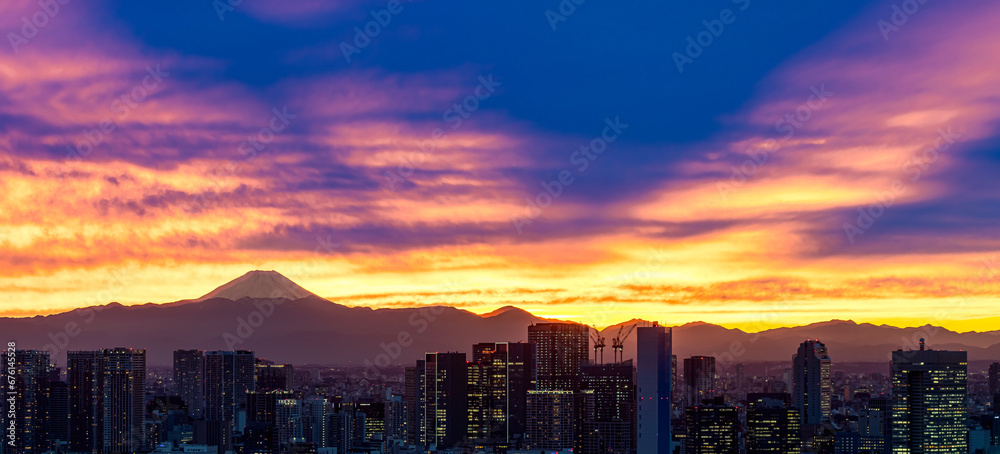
(717, 182)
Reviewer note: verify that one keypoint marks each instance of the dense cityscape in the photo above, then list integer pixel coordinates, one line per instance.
(552, 394)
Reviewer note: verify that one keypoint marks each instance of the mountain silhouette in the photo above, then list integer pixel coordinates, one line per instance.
(266, 312)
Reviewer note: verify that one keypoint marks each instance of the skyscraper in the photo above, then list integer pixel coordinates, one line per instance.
(500, 376)
(874, 426)
(189, 379)
(699, 379)
(85, 378)
(30, 384)
(712, 428)
(274, 377)
(561, 349)
(442, 406)
(58, 412)
(229, 376)
(611, 427)
(654, 384)
(124, 399)
(994, 379)
(929, 401)
(551, 420)
(773, 425)
(811, 386)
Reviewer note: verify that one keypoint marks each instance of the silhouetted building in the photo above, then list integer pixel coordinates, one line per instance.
(611, 429)
(929, 401)
(500, 376)
(442, 406)
(711, 429)
(551, 420)
(374, 420)
(124, 390)
(314, 421)
(275, 377)
(874, 427)
(654, 383)
(811, 386)
(413, 377)
(561, 348)
(396, 419)
(84, 377)
(994, 380)
(58, 413)
(30, 385)
(699, 379)
(189, 379)
(773, 425)
(229, 376)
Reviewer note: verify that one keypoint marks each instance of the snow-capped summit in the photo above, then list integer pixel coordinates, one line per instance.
(259, 284)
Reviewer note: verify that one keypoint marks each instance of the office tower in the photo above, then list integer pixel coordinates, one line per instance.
(229, 376)
(611, 429)
(654, 375)
(560, 349)
(500, 376)
(124, 394)
(442, 406)
(30, 385)
(396, 419)
(712, 428)
(929, 401)
(994, 379)
(374, 420)
(874, 426)
(551, 420)
(84, 377)
(341, 430)
(699, 379)
(189, 379)
(288, 421)
(773, 425)
(413, 377)
(58, 413)
(811, 386)
(274, 377)
(314, 421)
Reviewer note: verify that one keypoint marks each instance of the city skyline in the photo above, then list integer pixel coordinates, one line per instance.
(846, 167)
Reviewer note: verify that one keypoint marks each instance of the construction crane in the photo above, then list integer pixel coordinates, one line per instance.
(598, 344)
(618, 343)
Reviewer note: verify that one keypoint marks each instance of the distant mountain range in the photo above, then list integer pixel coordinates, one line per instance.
(266, 312)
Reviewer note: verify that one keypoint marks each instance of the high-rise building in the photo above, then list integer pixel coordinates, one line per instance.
(773, 425)
(611, 427)
(929, 401)
(374, 420)
(560, 348)
(396, 420)
(994, 379)
(712, 428)
(442, 406)
(413, 377)
(811, 385)
(551, 420)
(699, 379)
(124, 390)
(275, 377)
(500, 376)
(84, 377)
(30, 384)
(229, 376)
(314, 421)
(189, 379)
(107, 392)
(288, 421)
(874, 427)
(58, 413)
(653, 385)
